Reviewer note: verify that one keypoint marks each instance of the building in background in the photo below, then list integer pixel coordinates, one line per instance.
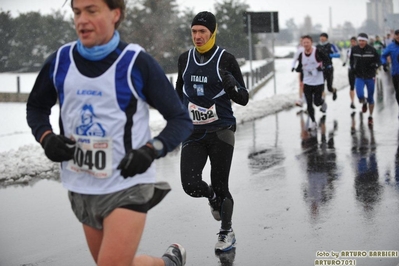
(379, 11)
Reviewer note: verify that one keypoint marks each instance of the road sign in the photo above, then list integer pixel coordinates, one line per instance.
(261, 22)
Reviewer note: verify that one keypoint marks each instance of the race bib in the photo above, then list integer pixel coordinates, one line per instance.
(93, 155)
(201, 115)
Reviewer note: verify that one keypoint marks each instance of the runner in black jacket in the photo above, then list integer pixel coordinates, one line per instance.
(364, 60)
(330, 51)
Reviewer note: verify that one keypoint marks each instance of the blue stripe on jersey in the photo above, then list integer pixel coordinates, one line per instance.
(63, 66)
(138, 82)
(123, 92)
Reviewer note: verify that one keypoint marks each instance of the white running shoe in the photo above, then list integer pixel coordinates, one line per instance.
(323, 107)
(176, 253)
(299, 103)
(312, 126)
(226, 240)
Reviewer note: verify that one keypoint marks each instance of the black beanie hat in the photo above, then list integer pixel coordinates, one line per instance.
(206, 19)
(324, 35)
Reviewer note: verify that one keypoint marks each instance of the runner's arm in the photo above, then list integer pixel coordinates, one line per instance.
(334, 51)
(149, 77)
(385, 54)
(181, 65)
(229, 63)
(41, 99)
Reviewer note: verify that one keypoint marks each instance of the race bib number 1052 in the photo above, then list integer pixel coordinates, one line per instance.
(93, 155)
(201, 115)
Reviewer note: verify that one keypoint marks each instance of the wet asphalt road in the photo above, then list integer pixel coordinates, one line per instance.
(299, 198)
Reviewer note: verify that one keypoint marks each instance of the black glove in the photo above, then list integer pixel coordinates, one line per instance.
(228, 80)
(293, 69)
(344, 64)
(56, 149)
(375, 65)
(136, 161)
(320, 68)
(385, 67)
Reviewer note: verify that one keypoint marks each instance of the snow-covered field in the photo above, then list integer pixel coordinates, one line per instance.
(22, 158)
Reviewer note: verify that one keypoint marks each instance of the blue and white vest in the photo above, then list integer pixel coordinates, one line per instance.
(106, 117)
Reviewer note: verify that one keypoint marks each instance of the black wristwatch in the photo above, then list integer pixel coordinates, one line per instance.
(158, 147)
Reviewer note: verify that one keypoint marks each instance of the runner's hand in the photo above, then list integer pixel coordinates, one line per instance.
(228, 80)
(56, 148)
(137, 161)
(374, 65)
(344, 64)
(385, 67)
(293, 69)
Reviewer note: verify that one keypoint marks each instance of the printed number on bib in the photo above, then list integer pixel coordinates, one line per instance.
(93, 155)
(201, 115)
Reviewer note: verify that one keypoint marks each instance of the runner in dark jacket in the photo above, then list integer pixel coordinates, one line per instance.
(364, 60)
(330, 51)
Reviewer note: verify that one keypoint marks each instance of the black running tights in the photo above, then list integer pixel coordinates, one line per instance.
(313, 94)
(219, 147)
(395, 80)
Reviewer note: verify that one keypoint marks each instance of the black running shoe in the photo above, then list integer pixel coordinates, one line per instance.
(334, 94)
(364, 108)
(370, 121)
(215, 208)
(353, 106)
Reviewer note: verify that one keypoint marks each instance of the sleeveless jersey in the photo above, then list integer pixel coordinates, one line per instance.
(311, 76)
(106, 118)
(208, 104)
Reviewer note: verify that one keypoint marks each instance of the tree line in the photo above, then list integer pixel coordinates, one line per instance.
(159, 26)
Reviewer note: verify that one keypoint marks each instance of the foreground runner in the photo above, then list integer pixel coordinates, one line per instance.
(364, 61)
(208, 79)
(103, 86)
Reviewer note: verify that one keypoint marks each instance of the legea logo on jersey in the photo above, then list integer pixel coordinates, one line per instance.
(202, 79)
(89, 92)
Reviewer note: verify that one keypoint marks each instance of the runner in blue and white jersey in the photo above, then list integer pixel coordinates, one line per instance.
(103, 87)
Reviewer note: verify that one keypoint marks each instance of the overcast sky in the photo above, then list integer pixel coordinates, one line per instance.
(342, 10)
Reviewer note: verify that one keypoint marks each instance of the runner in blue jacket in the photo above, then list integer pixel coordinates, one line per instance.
(392, 50)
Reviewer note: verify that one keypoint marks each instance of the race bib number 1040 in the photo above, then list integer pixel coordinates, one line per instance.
(201, 115)
(93, 155)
